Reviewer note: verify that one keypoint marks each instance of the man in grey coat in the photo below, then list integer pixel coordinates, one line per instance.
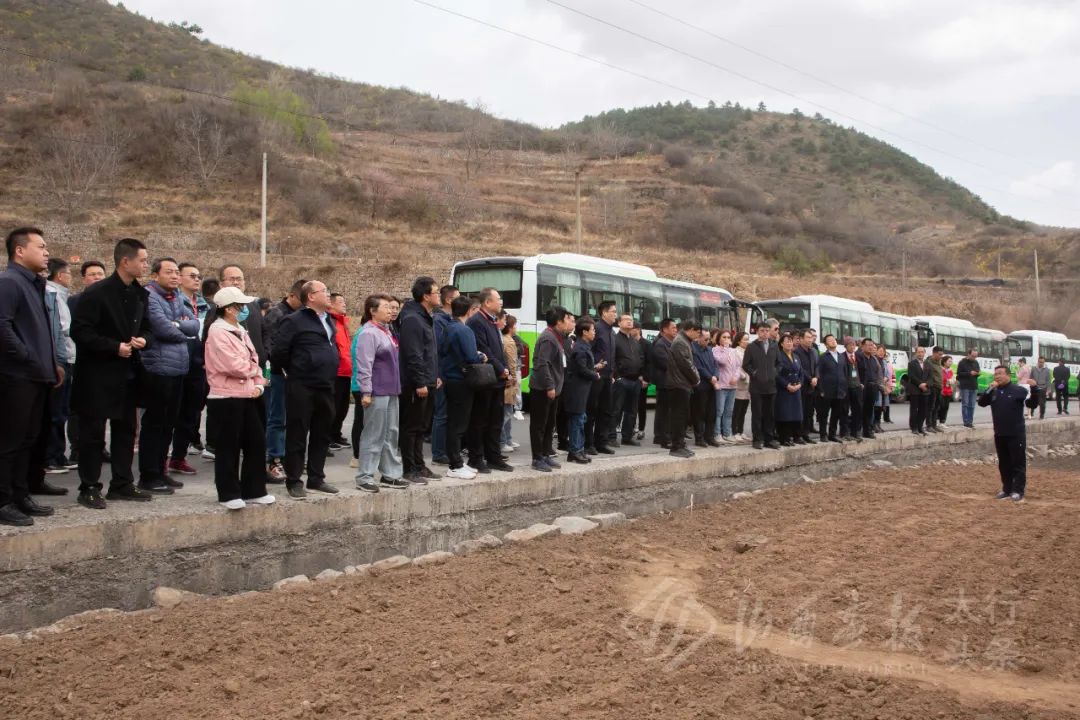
(682, 378)
(546, 383)
(1041, 375)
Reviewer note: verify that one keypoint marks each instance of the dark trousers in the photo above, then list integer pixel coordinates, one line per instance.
(642, 408)
(73, 437)
(604, 413)
(917, 419)
(738, 415)
(161, 396)
(832, 415)
(809, 409)
(459, 402)
(788, 430)
(943, 408)
(594, 416)
(485, 427)
(415, 419)
(763, 417)
(357, 422)
(1040, 396)
(21, 424)
(192, 402)
(1062, 398)
(932, 401)
(855, 411)
(309, 413)
(35, 475)
(869, 397)
(542, 413)
(661, 418)
(703, 411)
(56, 441)
(678, 416)
(242, 430)
(342, 389)
(121, 448)
(627, 394)
(1012, 462)
(562, 427)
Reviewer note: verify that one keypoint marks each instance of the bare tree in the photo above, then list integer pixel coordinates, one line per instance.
(78, 167)
(379, 189)
(478, 139)
(205, 145)
(607, 140)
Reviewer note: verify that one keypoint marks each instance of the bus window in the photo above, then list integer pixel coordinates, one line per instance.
(507, 280)
(556, 286)
(681, 304)
(707, 316)
(599, 288)
(830, 326)
(646, 303)
(791, 316)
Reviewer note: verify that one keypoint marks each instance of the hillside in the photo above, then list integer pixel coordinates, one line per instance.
(113, 124)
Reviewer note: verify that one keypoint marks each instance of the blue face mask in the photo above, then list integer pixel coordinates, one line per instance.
(243, 314)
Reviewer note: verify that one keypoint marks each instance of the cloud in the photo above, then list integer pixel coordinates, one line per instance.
(1058, 177)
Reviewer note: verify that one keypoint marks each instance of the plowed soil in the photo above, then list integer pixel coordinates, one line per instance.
(892, 594)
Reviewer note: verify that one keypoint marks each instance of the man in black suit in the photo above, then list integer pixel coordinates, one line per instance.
(759, 363)
(485, 423)
(918, 380)
(807, 353)
(660, 356)
(110, 326)
(832, 389)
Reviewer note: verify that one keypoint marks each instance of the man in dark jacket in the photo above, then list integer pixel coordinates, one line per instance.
(165, 364)
(832, 388)
(442, 318)
(1006, 403)
(546, 383)
(682, 378)
(600, 420)
(110, 328)
(629, 377)
(485, 423)
(193, 395)
(703, 398)
(806, 352)
(419, 375)
(967, 377)
(918, 383)
(252, 317)
(305, 350)
(759, 362)
(646, 373)
(1061, 376)
(936, 375)
(870, 376)
(28, 372)
(661, 354)
(275, 392)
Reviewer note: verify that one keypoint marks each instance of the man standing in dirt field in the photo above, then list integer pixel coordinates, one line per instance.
(1006, 402)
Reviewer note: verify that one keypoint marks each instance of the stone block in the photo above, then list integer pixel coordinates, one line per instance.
(573, 525)
(433, 558)
(484, 542)
(168, 598)
(291, 582)
(606, 520)
(533, 532)
(395, 562)
(328, 574)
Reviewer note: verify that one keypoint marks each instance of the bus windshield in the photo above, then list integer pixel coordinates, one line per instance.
(1019, 347)
(471, 279)
(792, 316)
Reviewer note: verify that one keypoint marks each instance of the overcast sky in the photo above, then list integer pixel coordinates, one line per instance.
(985, 91)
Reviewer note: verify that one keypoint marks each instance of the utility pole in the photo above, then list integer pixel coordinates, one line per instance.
(577, 195)
(1038, 292)
(262, 246)
(999, 264)
(903, 270)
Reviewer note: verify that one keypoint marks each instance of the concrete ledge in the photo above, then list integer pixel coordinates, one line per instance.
(88, 559)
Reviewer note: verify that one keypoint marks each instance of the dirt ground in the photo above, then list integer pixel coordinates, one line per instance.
(892, 594)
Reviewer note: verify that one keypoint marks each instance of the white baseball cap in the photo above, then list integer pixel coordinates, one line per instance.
(232, 296)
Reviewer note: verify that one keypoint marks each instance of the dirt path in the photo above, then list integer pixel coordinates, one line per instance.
(894, 595)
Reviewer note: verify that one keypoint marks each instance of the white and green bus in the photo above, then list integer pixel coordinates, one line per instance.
(831, 315)
(1054, 346)
(957, 336)
(531, 285)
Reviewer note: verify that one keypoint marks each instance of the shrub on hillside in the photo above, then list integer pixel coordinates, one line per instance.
(416, 208)
(799, 259)
(312, 202)
(702, 228)
(676, 156)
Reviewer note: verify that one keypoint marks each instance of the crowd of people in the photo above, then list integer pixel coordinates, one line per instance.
(276, 383)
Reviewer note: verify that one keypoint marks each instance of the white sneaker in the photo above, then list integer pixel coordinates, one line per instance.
(264, 500)
(508, 448)
(207, 455)
(519, 415)
(354, 463)
(516, 445)
(942, 425)
(461, 473)
(471, 469)
(236, 504)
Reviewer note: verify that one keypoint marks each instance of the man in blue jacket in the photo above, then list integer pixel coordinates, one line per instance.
(193, 395)
(442, 317)
(1006, 402)
(305, 350)
(166, 362)
(831, 391)
(28, 371)
(485, 423)
(419, 375)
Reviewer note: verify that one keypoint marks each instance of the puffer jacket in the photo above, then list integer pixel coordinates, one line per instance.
(232, 365)
(172, 329)
(199, 311)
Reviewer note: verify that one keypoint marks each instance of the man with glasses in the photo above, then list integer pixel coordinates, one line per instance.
(251, 318)
(629, 379)
(193, 395)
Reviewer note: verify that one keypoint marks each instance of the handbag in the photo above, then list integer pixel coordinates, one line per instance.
(480, 376)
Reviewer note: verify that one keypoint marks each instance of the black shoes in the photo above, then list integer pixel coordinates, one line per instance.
(48, 489)
(811, 441)
(129, 493)
(157, 487)
(501, 466)
(604, 450)
(591, 451)
(772, 445)
(540, 466)
(426, 472)
(367, 487)
(10, 514)
(682, 452)
(394, 483)
(296, 490)
(578, 457)
(323, 487)
(413, 477)
(92, 500)
(833, 438)
(758, 445)
(30, 507)
(711, 441)
(631, 443)
(175, 484)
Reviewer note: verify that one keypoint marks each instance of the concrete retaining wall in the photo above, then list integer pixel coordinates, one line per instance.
(50, 573)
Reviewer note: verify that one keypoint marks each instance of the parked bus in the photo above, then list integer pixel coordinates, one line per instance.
(1054, 346)
(841, 317)
(531, 285)
(957, 336)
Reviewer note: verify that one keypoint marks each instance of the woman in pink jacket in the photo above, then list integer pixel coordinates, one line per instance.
(235, 404)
